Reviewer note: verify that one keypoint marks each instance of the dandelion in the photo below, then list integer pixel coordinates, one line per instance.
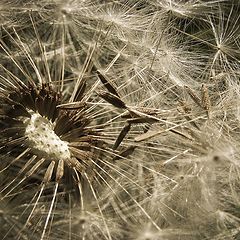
(64, 140)
(119, 120)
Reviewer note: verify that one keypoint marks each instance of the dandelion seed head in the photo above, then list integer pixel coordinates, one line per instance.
(149, 151)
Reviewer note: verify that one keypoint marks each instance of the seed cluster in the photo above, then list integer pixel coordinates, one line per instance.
(42, 127)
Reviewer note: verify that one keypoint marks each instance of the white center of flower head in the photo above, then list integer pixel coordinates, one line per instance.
(40, 133)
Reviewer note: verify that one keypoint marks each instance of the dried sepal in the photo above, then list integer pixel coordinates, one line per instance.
(112, 99)
(122, 135)
(107, 84)
(125, 153)
(60, 170)
(72, 106)
(206, 102)
(193, 96)
(49, 172)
